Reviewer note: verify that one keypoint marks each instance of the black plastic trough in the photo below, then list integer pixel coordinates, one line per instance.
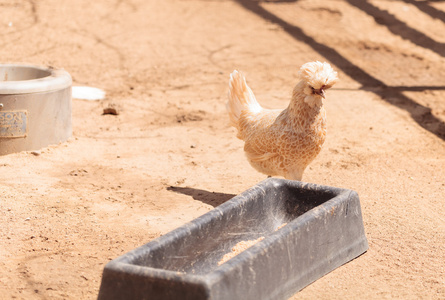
(324, 230)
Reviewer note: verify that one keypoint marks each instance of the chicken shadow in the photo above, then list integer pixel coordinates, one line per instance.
(212, 198)
(393, 95)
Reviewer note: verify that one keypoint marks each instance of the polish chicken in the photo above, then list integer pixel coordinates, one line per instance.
(283, 142)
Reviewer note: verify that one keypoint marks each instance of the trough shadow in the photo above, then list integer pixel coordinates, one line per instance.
(393, 95)
(212, 198)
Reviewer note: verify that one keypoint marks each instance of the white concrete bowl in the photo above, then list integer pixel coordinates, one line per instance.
(35, 107)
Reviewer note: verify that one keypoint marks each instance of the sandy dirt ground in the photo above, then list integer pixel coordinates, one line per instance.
(170, 155)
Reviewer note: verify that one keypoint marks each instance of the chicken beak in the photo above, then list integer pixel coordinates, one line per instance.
(321, 93)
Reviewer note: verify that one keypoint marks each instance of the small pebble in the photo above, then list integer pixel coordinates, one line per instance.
(111, 109)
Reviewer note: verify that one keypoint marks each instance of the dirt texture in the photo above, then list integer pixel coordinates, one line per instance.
(169, 155)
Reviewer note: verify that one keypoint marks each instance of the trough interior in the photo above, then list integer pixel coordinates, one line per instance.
(20, 73)
(198, 248)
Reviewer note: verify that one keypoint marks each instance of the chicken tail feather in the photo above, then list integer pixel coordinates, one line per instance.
(241, 98)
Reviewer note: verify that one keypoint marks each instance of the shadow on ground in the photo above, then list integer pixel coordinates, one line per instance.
(212, 198)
